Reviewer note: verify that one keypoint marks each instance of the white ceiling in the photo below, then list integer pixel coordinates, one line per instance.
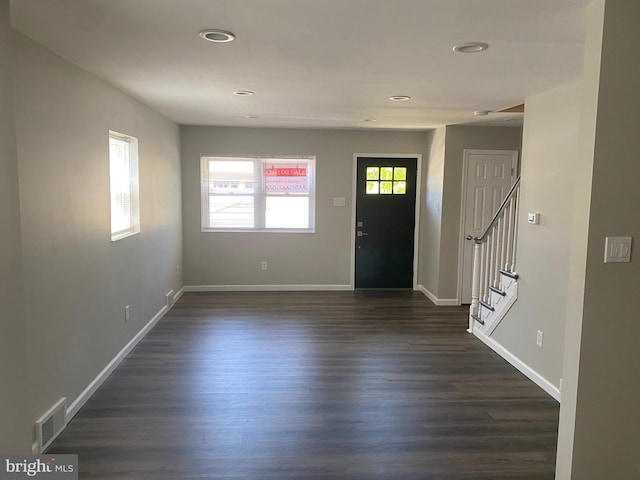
(321, 63)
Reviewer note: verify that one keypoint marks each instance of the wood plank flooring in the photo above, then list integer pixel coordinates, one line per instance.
(365, 385)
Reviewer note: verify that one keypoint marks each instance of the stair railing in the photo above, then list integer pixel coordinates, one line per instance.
(494, 255)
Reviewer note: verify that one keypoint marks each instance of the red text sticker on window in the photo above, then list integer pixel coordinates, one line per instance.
(286, 179)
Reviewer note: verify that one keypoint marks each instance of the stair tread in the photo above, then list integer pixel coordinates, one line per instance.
(487, 306)
(510, 274)
(498, 291)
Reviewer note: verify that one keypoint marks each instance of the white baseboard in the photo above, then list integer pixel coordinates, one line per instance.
(265, 288)
(77, 404)
(534, 376)
(178, 295)
(440, 302)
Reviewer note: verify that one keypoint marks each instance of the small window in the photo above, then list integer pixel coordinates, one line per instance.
(123, 173)
(258, 193)
(386, 181)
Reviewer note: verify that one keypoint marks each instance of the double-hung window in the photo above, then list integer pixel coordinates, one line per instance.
(255, 193)
(124, 185)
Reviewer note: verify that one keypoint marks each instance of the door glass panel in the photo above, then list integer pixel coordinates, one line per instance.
(373, 173)
(400, 173)
(399, 188)
(372, 188)
(386, 173)
(386, 187)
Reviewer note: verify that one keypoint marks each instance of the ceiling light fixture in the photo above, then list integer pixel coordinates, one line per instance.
(243, 93)
(481, 113)
(471, 47)
(399, 98)
(370, 119)
(217, 36)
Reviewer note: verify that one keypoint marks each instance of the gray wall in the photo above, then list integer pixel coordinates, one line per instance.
(431, 211)
(603, 387)
(322, 258)
(14, 399)
(549, 162)
(77, 281)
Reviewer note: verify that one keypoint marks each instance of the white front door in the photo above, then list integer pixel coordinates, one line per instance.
(487, 177)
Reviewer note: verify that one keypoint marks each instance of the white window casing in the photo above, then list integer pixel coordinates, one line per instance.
(124, 185)
(258, 193)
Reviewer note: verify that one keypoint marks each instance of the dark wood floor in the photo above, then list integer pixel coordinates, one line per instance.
(307, 386)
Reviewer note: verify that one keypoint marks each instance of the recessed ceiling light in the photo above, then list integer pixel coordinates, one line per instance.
(244, 93)
(481, 113)
(217, 36)
(370, 119)
(399, 98)
(254, 116)
(471, 47)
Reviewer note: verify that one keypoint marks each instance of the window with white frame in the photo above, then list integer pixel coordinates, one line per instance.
(255, 193)
(124, 185)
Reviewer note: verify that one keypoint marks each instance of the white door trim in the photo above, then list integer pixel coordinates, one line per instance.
(416, 234)
(463, 202)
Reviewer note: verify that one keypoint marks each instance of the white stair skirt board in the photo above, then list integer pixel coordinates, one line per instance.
(440, 302)
(265, 288)
(500, 304)
(525, 369)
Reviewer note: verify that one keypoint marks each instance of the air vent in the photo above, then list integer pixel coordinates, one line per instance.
(49, 426)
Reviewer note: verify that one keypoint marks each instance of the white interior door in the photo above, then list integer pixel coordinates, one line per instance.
(487, 177)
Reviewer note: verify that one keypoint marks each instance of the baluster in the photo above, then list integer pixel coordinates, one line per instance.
(508, 216)
(483, 269)
(475, 284)
(515, 231)
(490, 241)
(498, 248)
(503, 247)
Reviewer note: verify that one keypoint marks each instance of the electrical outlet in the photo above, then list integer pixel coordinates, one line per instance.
(263, 265)
(126, 313)
(539, 338)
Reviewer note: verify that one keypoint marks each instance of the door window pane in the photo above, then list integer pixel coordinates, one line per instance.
(373, 188)
(386, 173)
(399, 188)
(386, 188)
(373, 173)
(400, 173)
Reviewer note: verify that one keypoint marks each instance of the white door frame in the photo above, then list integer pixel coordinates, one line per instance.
(463, 202)
(354, 186)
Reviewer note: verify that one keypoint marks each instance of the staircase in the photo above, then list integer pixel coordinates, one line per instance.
(494, 287)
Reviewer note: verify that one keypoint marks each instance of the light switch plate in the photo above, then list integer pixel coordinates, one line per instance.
(339, 201)
(617, 249)
(533, 218)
